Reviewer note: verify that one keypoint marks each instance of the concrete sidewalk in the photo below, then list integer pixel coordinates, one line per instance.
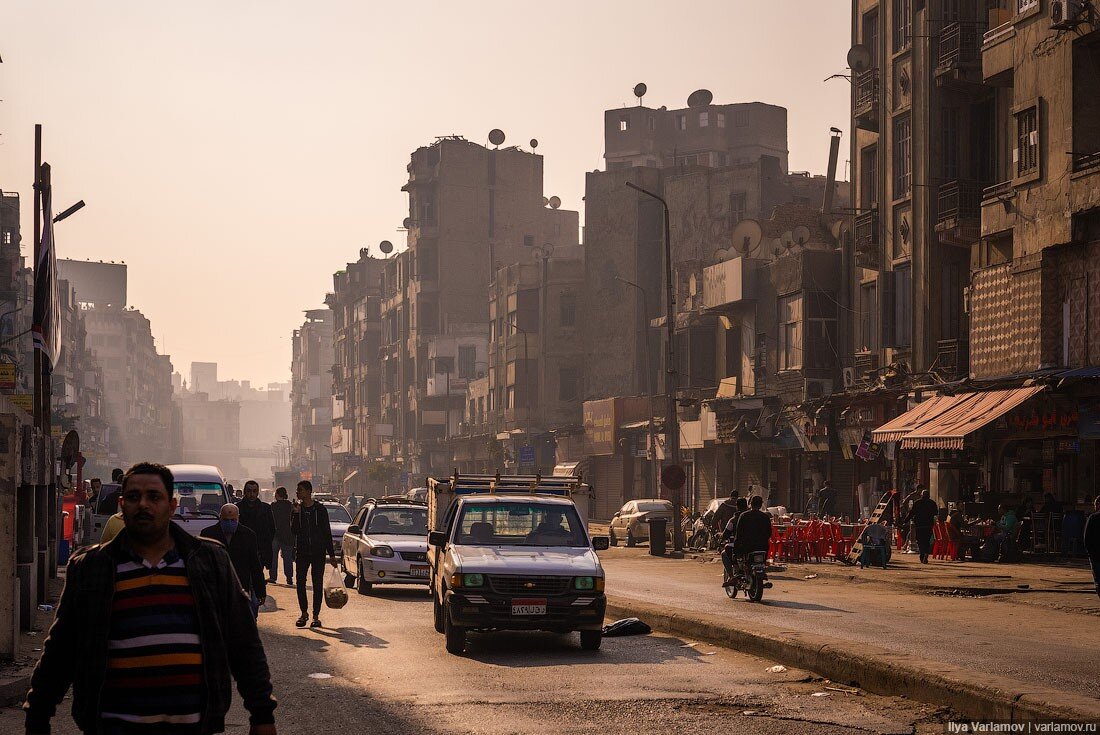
(978, 655)
(15, 676)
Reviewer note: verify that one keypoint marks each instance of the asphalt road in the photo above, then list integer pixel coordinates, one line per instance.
(986, 634)
(387, 672)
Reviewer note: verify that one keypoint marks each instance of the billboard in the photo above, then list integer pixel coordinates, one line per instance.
(95, 283)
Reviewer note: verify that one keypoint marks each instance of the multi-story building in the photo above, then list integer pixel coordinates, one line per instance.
(311, 398)
(357, 426)
(212, 433)
(472, 210)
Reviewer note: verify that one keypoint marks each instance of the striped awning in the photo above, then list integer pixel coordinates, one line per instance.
(922, 413)
(949, 429)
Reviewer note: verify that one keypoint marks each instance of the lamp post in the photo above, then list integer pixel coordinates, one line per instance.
(650, 387)
(672, 426)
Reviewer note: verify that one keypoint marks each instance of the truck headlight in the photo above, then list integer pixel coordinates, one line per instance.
(467, 580)
(585, 583)
(383, 551)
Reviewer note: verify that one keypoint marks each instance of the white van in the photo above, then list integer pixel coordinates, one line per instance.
(200, 494)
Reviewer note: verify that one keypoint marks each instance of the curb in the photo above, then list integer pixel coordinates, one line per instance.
(872, 668)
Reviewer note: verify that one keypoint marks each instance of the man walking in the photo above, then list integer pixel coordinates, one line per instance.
(283, 541)
(923, 516)
(256, 516)
(244, 552)
(149, 629)
(312, 545)
(826, 498)
(1092, 541)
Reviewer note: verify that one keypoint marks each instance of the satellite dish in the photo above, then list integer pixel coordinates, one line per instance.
(555, 202)
(639, 90)
(407, 222)
(746, 237)
(722, 255)
(70, 449)
(859, 58)
(700, 98)
(787, 240)
(386, 247)
(534, 142)
(801, 234)
(838, 229)
(496, 136)
(545, 201)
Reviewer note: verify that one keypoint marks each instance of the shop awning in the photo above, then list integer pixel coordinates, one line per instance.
(571, 469)
(950, 428)
(922, 413)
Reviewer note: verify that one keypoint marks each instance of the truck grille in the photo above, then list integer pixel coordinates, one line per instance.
(529, 585)
(414, 556)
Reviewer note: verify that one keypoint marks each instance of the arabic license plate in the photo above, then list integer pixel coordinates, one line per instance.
(418, 572)
(529, 607)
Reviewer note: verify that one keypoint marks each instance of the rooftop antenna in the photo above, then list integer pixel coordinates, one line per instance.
(639, 91)
(496, 137)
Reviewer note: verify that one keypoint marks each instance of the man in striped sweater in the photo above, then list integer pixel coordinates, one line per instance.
(149, 630)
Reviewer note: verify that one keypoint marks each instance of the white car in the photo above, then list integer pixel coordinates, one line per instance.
(520, 562)
(338, 520)
(631, 522)
(386, 544)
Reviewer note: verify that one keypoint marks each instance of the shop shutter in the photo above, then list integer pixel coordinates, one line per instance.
(607, 484)
(843, 477)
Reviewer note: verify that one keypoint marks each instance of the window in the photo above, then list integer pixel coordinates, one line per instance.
(868, 178)
(1026, 155)
(704, 119)
(427, 208)
(819, 338)
(868, 317)
(903, 306)
(624, 124)
(790, 332)
(903, 24)
(444, 365)
(681, 122)
(870, 36)
(741, 118)
(720, 119)
(1022, 6)
(903, 164)
(467, 362)
(737, 207)
(528, 241)
(950, 300)
(567, 316)
(568, 384)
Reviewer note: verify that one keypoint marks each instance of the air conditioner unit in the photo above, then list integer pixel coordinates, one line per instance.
(814, 389)
(1065, 15)
(849, 378)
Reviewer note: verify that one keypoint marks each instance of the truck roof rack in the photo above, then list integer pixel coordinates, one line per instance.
(535, 484)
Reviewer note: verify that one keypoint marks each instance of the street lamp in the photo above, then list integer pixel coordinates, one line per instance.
(672, 427)
(650, 387)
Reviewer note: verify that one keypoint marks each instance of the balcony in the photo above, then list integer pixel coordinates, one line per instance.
(866, 106)
(998, 192)
(960, 61)
(960, 212)
(953, 358)
(1086, 161)
(864, 364)
(867, 247)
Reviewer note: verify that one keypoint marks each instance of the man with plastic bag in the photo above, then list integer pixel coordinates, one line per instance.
(312, 547)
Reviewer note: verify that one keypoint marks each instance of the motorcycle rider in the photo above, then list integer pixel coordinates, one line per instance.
(753, 531)
(728, 534)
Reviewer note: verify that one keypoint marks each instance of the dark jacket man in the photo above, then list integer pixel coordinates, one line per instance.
(754, 529)
(923, 516)
(312, 533)
(281, 511)
(244, 554)
(256, 515)
(75, 653)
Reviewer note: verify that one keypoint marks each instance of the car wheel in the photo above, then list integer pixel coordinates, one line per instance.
(456, 635)
(614, 539)
(591, 639)
(437, 614)
(630, 540)
(362, 586)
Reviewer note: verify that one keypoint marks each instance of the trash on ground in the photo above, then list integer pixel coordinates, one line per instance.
(842, 689)
(777, 669)
(749, 712)
(320, 676)
(689, 645)
(709, 653)
(820, 694)
(810, 576)
(626, 626)
(1023, 586)
(46, 608)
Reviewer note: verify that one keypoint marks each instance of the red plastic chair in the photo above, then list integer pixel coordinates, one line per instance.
(775, 545)
(939, 546)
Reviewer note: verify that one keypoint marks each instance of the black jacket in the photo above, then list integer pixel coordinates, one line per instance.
(924, 513)
(754, 529)
(312, 532)
(244, 554)
(281, 510)
(75, 653)
(256, 515)
(1092, 536)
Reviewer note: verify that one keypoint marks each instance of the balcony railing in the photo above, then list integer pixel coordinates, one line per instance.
(1085, 161)
(866, 99)
(960, 200)
(867, 240)
(993, 35)
(1002, 190)
(953, 357)
(960, 43)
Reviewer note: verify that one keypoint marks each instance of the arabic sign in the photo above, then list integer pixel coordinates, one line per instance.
(7, 375)
(1043, 418)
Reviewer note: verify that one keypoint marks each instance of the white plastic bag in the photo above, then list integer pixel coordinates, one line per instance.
(335, 594)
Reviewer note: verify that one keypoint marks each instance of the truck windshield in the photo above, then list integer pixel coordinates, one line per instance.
(199, 499)
(520, 524)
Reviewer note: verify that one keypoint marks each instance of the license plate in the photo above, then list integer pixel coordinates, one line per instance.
(529, 607)
(418, 572)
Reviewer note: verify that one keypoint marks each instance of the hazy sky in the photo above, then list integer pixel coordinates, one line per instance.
(236, 154)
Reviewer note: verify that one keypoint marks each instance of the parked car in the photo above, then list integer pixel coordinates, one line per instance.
(417, 494)
(325, 498)
(631, 522)
(386, 544)
(338, 520)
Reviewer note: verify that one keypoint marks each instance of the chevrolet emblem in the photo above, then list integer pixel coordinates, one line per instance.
(529, 585)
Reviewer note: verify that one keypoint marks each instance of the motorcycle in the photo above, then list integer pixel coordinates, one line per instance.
(749, 575)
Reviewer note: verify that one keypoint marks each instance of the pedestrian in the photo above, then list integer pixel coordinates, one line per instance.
(116, 475)
(244, 552)
(923, 517)
(1092, 541)
(153, 576)
(93, 494)
(283, 541)
(256, 516)
(312, 546)
(353, 504)
(826, 500)
(725, 511)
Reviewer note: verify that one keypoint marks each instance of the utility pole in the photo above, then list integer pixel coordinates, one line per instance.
(672, 426)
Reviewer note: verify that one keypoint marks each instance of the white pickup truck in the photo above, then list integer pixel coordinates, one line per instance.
(513, 553)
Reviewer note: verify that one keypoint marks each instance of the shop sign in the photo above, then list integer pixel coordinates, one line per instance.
(1067, 446)
(599, 427)
(1045, 420)
(24, 401)
(7, 375)
(815, 431)
(868, 449)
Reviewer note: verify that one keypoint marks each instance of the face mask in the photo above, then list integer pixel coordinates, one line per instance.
(229, 526)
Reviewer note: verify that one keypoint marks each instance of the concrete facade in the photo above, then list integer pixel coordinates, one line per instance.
(311, 398)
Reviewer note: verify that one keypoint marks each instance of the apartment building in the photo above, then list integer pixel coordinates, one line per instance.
(311, 398)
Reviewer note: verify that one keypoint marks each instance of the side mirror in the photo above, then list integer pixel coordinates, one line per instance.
(437, 538)
(354, 529)
(601, 543)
